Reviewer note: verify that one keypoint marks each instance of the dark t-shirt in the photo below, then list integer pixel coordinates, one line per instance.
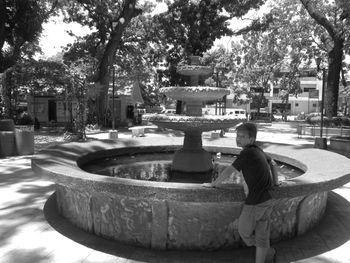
(254, 165)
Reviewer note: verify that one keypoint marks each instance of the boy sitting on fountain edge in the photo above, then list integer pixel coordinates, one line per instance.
(260, 175)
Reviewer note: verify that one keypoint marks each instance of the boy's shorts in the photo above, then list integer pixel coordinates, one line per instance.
(254, 224)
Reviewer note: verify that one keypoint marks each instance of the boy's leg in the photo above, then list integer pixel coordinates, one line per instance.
(246, 225)
(262, 232)
(260, 254)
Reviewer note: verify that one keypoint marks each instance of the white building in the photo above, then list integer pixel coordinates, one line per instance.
(306, 102)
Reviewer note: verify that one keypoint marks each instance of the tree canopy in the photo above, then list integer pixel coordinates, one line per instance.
(115, 36)
(311, 29)
(20, 28)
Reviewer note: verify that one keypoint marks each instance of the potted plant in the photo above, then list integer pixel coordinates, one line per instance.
(25, 122)
(24, 134)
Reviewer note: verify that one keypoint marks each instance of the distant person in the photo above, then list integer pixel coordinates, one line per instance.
(260, 175)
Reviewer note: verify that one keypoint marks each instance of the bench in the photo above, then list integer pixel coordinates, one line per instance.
(139, 131)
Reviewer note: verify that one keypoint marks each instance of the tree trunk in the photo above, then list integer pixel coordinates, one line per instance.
(2, 32)
(335, 57)
(129, 11)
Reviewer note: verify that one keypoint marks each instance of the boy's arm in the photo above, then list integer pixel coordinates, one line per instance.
(223, 176)
(274, 173)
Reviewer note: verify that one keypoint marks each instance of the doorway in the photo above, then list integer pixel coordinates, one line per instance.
(52, 110)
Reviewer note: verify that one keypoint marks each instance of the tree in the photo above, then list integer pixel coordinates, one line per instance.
(332, 17)
(226, 65)
(289, 83)
(20, 27)
(313, 29)
(109, 19)
(262, 57)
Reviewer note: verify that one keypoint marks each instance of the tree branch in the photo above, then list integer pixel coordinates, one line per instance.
(52, 9)
(319, 18)
(256, 25)
(2, 24)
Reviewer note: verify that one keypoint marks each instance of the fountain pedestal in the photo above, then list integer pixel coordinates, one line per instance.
(192, 158)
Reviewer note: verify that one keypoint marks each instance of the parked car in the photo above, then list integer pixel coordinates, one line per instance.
(169, 111)
(141, 111)
(238, 113)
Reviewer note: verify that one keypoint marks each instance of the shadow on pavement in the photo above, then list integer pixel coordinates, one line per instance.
(22, 199)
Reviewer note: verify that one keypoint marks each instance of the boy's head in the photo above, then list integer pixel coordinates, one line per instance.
(246, 134)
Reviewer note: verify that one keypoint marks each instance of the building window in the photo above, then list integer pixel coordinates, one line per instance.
(308, 89)
(314, 105)
(296, 104)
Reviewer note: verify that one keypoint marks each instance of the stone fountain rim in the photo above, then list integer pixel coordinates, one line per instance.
(60, 164)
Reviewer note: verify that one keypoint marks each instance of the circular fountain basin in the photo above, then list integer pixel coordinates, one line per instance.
(193, 123)
(195, 93)
(170, 215)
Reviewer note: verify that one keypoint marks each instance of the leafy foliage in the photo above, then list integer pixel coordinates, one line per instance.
(139, 43)
(33, 77)
(20, 27)
(318, 29)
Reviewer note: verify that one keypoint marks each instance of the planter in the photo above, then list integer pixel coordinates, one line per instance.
(7, 143)
(25, 140)
(321, 143)
(7, 138)
(7, 125)
(25, 127)
(340, 145)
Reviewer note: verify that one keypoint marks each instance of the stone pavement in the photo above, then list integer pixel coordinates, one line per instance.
(32, 232)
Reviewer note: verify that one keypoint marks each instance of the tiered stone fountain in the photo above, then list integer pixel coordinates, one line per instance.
(172, 214)
(192, 158)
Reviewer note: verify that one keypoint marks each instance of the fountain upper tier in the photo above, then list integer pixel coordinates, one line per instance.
(193, 70)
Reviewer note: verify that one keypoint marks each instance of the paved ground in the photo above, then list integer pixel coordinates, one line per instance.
(26, 236)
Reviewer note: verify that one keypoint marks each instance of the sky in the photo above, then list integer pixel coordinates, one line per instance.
(55, 35)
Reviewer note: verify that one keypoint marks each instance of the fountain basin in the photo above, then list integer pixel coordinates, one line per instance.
(176, 215)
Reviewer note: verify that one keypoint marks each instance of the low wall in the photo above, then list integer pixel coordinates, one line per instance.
(340, 145)
(312, 130)
(182, 216)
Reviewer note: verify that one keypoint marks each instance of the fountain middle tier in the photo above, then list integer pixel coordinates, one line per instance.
(195, 93)
(193, 123)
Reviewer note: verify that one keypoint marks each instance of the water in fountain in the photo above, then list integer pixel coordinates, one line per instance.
(192, 160)
(157, 167)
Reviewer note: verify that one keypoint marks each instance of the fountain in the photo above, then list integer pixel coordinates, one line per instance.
(168, 214)
(192, 158)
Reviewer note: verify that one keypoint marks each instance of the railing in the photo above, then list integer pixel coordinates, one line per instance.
(312, 130)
